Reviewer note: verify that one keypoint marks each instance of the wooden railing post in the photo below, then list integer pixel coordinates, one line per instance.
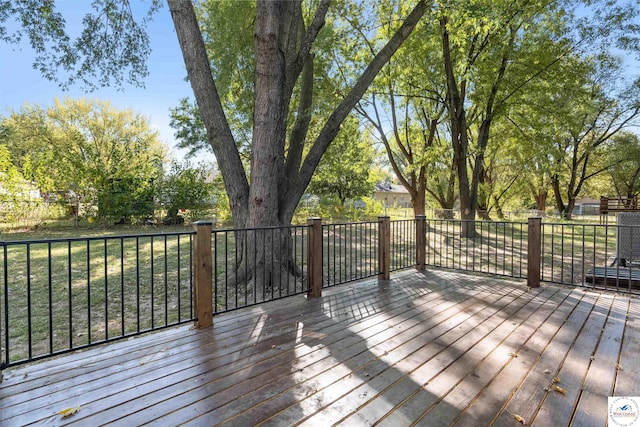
(314, 268)
(534, 250)
(384, 248)
(421, 241)
(203, 274)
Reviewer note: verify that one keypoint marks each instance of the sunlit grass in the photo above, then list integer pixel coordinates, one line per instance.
(68, 293)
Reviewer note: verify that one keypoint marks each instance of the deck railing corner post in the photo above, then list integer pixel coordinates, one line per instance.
(314, 269)
(384, 248)
(421, 241)
(203, 274)
(534, 251)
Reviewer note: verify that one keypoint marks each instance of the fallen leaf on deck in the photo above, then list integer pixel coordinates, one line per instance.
(520, 420)
(69, 411)
(555, 380)
(618, 367)
(559, 389)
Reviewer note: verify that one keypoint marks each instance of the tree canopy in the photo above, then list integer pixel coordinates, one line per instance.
(450, 87)
(108, 158)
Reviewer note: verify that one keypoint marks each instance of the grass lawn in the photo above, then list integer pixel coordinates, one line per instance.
(87, 285)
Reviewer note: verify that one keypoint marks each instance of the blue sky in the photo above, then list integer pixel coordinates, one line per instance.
(165, 85)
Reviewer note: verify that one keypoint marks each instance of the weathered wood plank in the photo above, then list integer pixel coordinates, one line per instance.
(497, 393)
(598, 385)
(368, 351)
(224, 341)
(557, 407)
(531, 393)
(405, 375)
(228, 349)
(160, 401)
(459, 396)
(628, 377)
(464, 356)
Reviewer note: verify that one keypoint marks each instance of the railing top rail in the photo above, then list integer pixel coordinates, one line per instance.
(95, 238)
(350, 223)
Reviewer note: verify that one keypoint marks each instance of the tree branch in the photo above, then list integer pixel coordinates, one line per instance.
(218, 132)
(332, 126)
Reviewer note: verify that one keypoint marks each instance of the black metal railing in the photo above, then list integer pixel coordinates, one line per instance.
(592, 255)
(61, 295)
(349, 252)
(403, 244)
(255, 265)
(495, 247)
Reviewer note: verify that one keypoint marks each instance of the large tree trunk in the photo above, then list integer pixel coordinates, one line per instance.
(459, 137)
(418, 201)
(557, 194)
(540, 196)
(283, 54)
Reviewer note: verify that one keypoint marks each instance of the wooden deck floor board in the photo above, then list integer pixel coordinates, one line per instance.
(531, 393)
(362, 354)
(395, 338)
(628, 376)
(472, 382)
(429, 389)
(498, 392)
(195, 365)
(407, 378)
(559, 406)
(600, 379)
(367, 330)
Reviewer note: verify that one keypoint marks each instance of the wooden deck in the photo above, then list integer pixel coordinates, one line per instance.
(433, 348)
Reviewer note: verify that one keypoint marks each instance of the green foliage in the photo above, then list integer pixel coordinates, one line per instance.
(185, 190)
(112, 47)
(326, 208)
(190, 132)
(346, 170)
(623, 161)
(566, 125)
(18, 197)
(110, 159)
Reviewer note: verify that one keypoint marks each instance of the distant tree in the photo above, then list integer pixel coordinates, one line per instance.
(623, 164)
(185, 188)
(405, 106)
(111, 159)
(12, 187)
(567, 126)
(347, 170)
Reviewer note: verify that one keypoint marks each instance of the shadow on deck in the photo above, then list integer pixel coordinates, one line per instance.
(429, 348)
